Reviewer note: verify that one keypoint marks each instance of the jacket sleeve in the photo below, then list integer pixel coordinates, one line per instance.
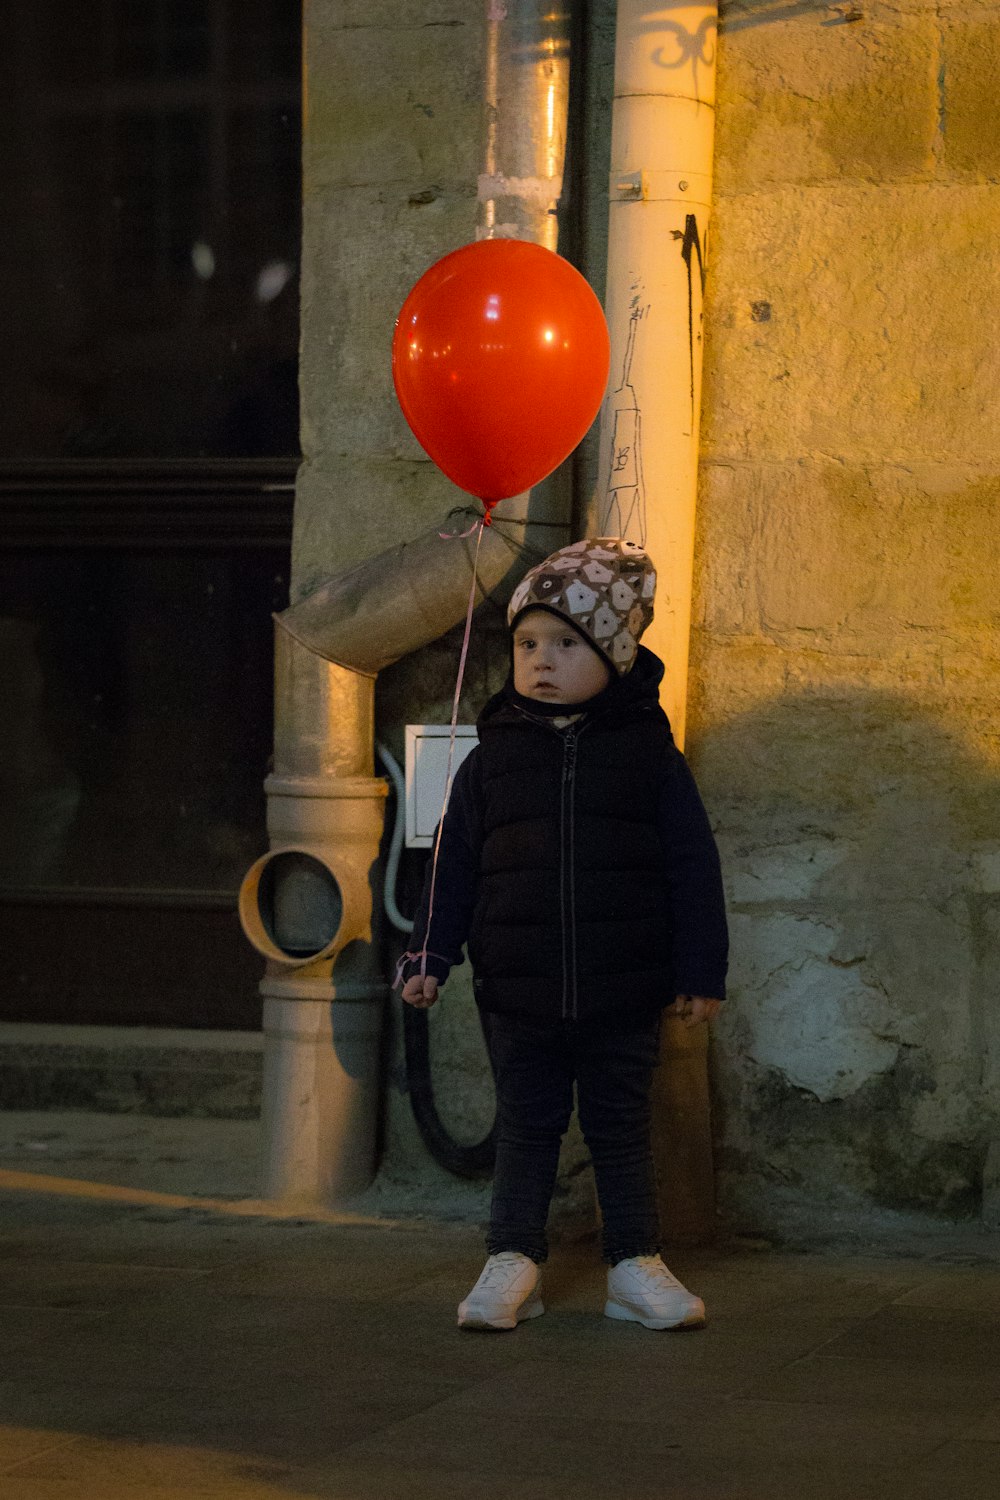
(456, 881)
(694, 880)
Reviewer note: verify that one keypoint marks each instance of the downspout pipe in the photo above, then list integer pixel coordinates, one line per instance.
(660, 193)
(310, 904)
(526, 114)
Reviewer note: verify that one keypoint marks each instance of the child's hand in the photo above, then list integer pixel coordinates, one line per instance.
(421, 991)
(693, 1009)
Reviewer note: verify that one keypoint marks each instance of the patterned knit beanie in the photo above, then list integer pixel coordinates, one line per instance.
(604, 588)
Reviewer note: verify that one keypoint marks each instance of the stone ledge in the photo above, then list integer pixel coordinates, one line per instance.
(131, 1070)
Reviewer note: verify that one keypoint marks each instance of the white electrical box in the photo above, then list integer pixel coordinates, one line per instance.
(426, 773)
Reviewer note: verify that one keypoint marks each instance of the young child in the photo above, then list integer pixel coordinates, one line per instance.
(577, 861)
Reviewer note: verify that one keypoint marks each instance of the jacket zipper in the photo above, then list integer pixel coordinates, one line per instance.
(567, 860)
(568, 872)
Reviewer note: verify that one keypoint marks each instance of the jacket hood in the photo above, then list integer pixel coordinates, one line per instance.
(635, 692)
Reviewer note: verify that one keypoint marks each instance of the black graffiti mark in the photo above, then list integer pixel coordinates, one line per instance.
(626, 490)
(690, 247)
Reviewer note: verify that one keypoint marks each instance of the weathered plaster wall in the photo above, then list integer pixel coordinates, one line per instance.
(392, 141)
(391, 126)
(847, 638)
(847, 628)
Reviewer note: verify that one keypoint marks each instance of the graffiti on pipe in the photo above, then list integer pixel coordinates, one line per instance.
(624, 509)
(625, 498)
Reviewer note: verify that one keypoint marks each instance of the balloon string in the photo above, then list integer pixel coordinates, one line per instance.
(459, 536)
(478, 528)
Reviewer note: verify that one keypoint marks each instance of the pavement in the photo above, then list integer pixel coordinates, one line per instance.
(164, 1334)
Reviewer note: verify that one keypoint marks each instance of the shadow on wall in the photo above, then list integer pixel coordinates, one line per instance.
(859, 1059)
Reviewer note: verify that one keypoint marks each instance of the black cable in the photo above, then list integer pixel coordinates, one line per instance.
(464, 1161)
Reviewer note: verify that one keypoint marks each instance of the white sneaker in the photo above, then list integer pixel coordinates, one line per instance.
(642, 1290)
(505, 1294)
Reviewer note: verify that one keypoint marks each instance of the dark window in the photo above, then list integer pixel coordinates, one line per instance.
(150, 190)
(150, 194)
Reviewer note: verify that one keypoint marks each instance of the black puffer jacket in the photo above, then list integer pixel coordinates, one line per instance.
(578, 863)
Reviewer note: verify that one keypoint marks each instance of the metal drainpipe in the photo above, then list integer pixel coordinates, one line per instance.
(307, 905)
(521, 187)
(662, 132)
(527, 99)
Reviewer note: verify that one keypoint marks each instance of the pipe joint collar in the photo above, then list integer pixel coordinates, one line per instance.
(678, 186)
(310, 895)
(302, 904)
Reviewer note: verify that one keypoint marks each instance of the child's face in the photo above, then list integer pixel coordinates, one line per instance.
(553, 664)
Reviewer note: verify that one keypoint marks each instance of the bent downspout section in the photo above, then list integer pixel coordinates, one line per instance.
(389, 605)
(660, 195)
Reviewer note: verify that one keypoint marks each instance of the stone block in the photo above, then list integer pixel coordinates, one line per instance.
(970, 64)
(729, 677)
(821, 1090)
(815, 1021)
(875, 551)
(801, 102)
(772, 719)
(391, 104)
(727, 527)
(985, 870)
(856, 323)
(789, 871)
(352, 507)
(849, 761)
(351, 296)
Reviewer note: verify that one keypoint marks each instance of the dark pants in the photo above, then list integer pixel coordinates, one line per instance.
(536, 1065)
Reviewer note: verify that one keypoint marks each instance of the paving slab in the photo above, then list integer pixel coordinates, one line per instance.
(201, 1346)
(987, 1429)
(968, 1470)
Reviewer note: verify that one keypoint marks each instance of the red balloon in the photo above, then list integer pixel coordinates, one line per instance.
(500, 361)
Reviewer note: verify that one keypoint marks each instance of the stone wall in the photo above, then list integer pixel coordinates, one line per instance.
(845, 649)
(392, 142)
(847, 636)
